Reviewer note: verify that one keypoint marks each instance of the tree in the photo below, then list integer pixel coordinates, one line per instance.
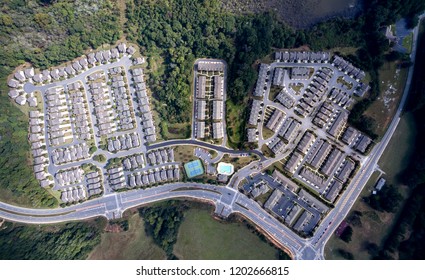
(345, 254)
(347, 234)
(387, 199)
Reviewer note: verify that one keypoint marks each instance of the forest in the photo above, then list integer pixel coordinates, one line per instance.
(70, 241)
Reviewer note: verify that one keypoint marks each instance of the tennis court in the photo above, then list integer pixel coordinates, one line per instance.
(194, 168)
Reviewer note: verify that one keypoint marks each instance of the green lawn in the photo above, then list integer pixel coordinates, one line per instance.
(397, 154)
(133, 244)
(202, 237)
(382, 110)
(407, 42)
(267, 133)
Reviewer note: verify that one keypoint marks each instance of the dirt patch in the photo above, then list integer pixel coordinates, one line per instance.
(298, 14)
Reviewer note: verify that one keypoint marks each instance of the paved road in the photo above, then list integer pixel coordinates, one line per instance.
(205, 145)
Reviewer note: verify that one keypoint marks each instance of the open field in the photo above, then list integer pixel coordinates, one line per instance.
(267, 133)
(133, 244)
(202, 237)
(184, 153)
(392, 82)
(376, 225)
(7, 196)
(399, 150)
(176, 130)
(238, 162)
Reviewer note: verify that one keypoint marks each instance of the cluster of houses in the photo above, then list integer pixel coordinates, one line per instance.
(58, 121)
(338, 123)
(38, 149)
(331, 118)
(73, 194)
(77, 101)
(276, 145)
(285, 99)
(257, 189)
(16, 85)
(154, 176)
(69, 176)
(348, 68)
(263, 75)
(340, 97)
(276, 120)
(302, 57)
(256, 110)
(254, 118)
(289, 129)
(94, 183)
(123, 142)
(124, 114)
(60, 73)
(160, 156)
(355, 139)
(116, 178)
(102, 104)
(209, 103)
(321, 165)
(133, 162)
(143, 101)
(70, 154)
(297, 208)
(314, 92)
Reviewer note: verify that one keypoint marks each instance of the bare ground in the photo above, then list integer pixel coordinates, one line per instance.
(297, 13)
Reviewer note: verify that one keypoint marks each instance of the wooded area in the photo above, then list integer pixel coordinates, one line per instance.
(162, 222)
(65, 242)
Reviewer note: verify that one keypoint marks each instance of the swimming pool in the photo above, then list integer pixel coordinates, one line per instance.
(225, 168)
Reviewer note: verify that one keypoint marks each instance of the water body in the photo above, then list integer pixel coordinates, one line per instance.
(298, 13)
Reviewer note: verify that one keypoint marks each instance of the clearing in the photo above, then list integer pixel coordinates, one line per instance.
(392, 82)
(133, 244)
(202, 237)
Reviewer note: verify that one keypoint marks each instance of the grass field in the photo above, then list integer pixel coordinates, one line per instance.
(184, 153)
(267, 133)
(235, 122)
(376, 225)
(202, 237)
(238, 162)
(399, 150)
(392, 82)
(177, 130)
(133, 244)
(7, 196)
